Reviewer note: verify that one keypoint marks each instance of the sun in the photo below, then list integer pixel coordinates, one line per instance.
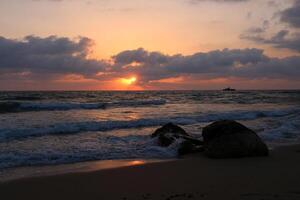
(129, 81)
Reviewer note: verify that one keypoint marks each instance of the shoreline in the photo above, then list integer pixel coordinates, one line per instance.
(194, 177)
(27, 172)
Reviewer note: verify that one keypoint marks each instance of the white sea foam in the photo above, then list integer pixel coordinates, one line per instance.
(87, 126)
(42, 138)
(51, 106)
(106, 148)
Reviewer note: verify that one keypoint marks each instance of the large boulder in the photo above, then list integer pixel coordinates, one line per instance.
(170, 132)
(230, 139)
(188, 147)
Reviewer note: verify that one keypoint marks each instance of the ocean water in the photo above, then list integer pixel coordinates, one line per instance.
(50, 128)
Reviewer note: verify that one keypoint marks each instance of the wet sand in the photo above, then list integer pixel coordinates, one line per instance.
(194, 177)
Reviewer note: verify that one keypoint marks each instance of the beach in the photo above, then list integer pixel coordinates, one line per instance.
(99, 145)
(150, 100)
(191, 177)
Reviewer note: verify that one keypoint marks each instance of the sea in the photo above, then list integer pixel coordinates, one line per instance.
(53, 128)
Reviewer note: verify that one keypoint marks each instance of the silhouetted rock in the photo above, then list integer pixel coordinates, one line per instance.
(230, 139)
(169, 128)
(170, 132)
(188, 147)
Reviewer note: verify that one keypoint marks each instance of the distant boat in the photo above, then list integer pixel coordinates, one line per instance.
(229, 89)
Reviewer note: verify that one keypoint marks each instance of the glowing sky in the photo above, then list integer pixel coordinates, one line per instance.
(157, 44)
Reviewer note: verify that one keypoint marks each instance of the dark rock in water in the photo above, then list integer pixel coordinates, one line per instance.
(169, 133)
(169, 128)
(188, 147)
(230, 139)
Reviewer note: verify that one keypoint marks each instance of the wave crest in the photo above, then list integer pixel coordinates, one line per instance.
(89, 126)
(7, 107)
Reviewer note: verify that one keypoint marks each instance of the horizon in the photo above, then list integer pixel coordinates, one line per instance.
(137, 45)
(154, 90)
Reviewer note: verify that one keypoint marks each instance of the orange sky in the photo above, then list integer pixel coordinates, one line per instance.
(170, 27)
(115, 25)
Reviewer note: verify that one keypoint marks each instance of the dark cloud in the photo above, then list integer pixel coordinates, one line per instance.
(141, 56)
(258, 29)
(290, 43)
(50, 55)
(292, 15)
(281, 68)
(248, 63)
(219, 61)
(285, 38)
(282, 39)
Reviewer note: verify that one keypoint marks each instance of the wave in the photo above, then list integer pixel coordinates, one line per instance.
(89, 126)
(105, 147)
(7, 107)
(286, 130)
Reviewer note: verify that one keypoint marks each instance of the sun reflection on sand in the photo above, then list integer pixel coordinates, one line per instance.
(115, 164)
(136, 162)
(37, 171)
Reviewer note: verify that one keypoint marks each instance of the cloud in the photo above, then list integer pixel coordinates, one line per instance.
(246, 63)
(292, 15)
(281, 39)
(282, 68)
(36, 59)
(256, 31)
(287, 37)
(140, 55)
(50, 55)
(284, 38)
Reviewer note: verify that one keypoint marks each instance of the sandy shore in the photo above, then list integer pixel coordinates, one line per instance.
(195, 177)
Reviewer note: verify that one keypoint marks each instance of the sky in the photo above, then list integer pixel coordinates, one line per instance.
(149, 45)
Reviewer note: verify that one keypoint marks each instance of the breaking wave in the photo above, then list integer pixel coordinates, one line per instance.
(7, 107)
(105, 148)
(89, 126)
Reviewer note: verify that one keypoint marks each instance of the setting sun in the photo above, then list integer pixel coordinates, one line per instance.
(129, 81)
(137, 99)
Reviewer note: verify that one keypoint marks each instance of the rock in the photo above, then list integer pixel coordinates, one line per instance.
(188, 147)
(230, 139)
(169, 128)
(170, 132)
